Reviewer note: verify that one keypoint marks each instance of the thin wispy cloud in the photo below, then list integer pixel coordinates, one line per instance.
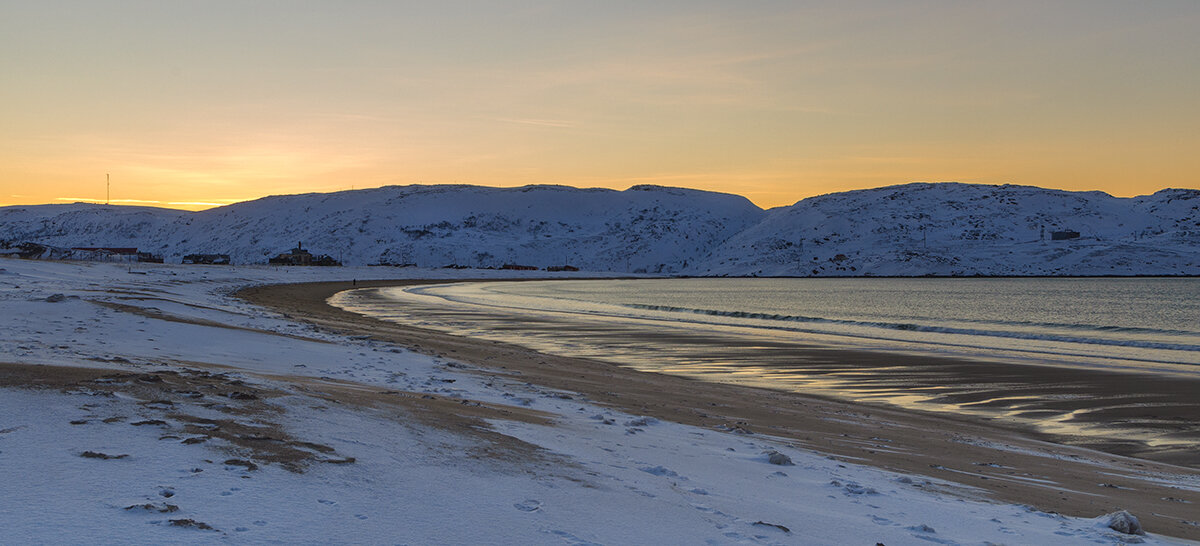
(538, 122)
(216, 203)
(205, 203)
(91, 200)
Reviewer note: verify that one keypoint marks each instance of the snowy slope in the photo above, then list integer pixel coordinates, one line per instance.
(642, 229)
(603, 477)
(88, 225)
(962, 229)
(913, 229)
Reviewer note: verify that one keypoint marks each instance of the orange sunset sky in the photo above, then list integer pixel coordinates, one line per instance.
(197, 104)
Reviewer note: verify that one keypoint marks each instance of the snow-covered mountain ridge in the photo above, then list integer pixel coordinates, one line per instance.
(965, 229)
(645, 228)
(913, 229)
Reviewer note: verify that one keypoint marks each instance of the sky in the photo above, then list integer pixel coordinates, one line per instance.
(197, 104)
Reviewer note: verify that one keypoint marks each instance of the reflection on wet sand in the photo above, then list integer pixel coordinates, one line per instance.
(1152, 416)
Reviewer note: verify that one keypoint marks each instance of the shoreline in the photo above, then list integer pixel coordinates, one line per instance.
(1009, 465)
(1148, 413)
(933, 276)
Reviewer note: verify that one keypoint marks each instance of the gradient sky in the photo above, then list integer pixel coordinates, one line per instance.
(188, 104)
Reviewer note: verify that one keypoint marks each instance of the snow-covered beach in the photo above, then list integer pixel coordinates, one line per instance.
(147, 403)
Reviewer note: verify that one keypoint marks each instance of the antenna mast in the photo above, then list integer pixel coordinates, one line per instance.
(107, 189)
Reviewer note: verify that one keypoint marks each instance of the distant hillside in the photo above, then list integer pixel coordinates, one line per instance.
(645, 228)
(964, 229)
(914, 229)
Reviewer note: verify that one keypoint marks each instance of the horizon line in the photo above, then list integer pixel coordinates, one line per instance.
(222, 202)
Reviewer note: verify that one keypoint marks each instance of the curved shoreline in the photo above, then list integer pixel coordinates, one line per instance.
(1142, 412)
(1009, 465)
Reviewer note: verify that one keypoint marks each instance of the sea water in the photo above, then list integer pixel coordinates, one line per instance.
(1112, 363)
(1138, 322)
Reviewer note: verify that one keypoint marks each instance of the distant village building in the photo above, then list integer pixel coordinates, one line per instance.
(300, 256)
(207, 259)
(562, 268)
(117, 252)
(518, 267)
(295, 256)
(114, 254)
(1063, 235)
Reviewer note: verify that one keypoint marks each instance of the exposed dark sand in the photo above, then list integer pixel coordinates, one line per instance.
(251, 422)
(1009, 463)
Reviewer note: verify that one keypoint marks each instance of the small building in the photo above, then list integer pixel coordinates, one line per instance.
(562, 268)
(112, 251)
(325, 260)
(300, 256)
(113, 254)
(518, 267)
(207, 259)
(1063, 235)
(295, 256)
(146, 257)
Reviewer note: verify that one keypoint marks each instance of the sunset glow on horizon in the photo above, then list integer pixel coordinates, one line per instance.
(195, 105)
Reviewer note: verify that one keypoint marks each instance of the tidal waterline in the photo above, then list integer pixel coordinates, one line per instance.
(1112, 363)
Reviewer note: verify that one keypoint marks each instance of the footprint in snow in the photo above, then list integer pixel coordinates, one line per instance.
(572, 539)
(922, 528)
(854, 488)
(530, 505)
(660, 471)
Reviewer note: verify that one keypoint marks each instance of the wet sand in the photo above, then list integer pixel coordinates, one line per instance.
(1005, 461)
(1135, 412)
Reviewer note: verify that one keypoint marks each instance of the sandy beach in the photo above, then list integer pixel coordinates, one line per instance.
(152, 404)
(1008, 464)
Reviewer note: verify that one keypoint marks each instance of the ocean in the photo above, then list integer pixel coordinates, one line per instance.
(1109, 362)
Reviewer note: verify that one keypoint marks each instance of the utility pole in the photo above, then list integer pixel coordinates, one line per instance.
(107, 189)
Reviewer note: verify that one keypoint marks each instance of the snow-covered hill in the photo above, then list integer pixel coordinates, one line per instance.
(643, 229)
(963, 229)
(913, 229)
